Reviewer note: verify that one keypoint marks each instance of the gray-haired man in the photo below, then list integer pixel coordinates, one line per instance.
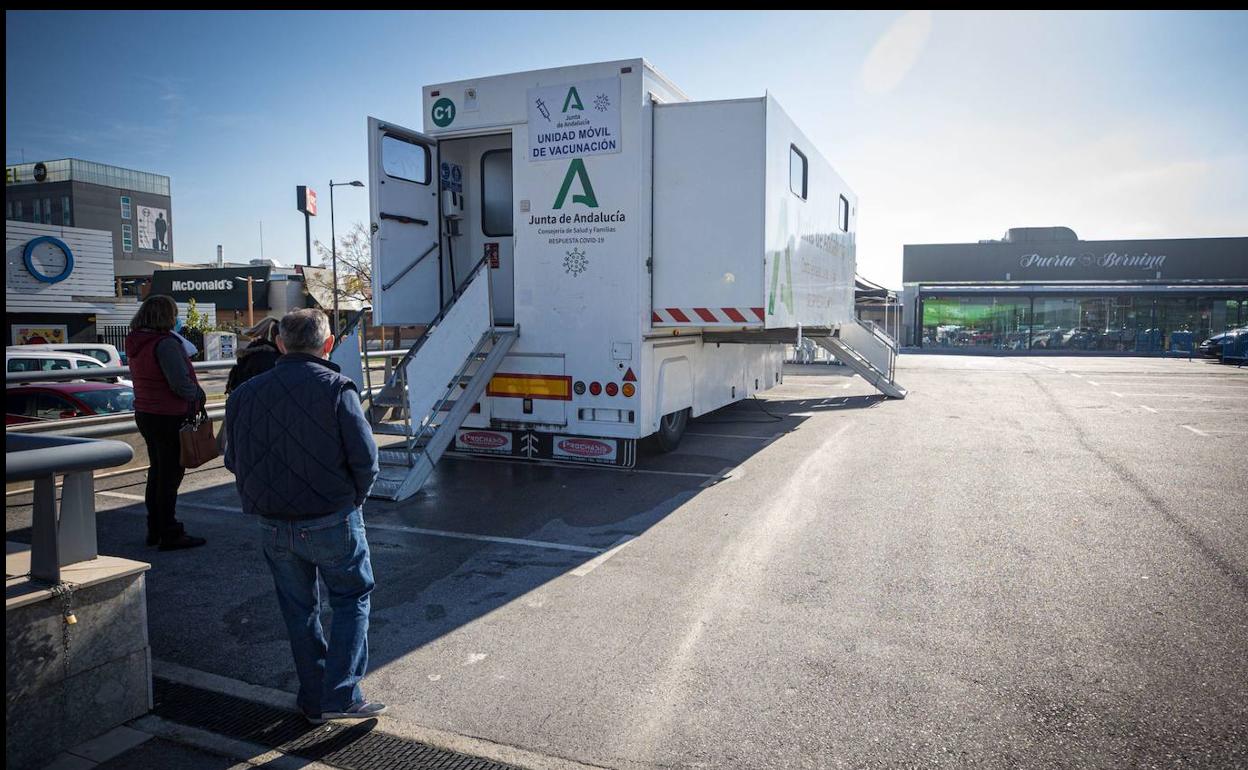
(304, 459)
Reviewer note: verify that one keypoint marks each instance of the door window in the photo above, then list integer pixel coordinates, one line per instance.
(496, 194)
(406, 160)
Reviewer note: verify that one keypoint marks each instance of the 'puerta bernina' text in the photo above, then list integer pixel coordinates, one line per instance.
(1143, 261)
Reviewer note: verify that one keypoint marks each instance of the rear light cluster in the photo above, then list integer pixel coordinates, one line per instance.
(611, 388)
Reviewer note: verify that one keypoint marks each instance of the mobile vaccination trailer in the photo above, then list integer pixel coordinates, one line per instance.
(596, 259)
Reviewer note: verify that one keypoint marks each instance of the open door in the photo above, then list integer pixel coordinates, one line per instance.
(406, 226)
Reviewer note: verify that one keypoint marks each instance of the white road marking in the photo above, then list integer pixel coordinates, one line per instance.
(1097, 384)
(1180, 395)
(1116, 393)
(732, 435)
(576, 466)
(182, 502)
(598, 561)
(1197, 431)
(483, 538)
(284, 700)
(724, 475)
(1148, 409)
(475, 658)
(395, 528)
(1224, 411)
(1080, 376)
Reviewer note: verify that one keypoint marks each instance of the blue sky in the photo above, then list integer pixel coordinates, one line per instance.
(949, 126)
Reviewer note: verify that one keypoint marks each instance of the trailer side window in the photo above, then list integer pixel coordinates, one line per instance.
(402, 159)
(496, 194)
(797, 172)
(843, 216)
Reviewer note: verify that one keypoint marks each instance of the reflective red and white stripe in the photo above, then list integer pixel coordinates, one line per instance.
(707, 316)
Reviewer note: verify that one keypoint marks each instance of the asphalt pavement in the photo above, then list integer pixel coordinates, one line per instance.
(1027, 562)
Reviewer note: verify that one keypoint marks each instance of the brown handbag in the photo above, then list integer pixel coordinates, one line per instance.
(198, 445)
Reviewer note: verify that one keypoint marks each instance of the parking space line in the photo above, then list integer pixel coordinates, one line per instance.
(1116, 393)
(1080, 376)
(1178, 395)
(393, 527)
(1097, 384)
(1148, 409)
(733, 435)
(483, 538)
(1225, 410)
(718, 477)
(577, 466)
(598, 560)
(1197, 431)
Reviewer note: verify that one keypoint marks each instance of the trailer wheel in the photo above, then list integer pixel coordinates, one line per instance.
(671, 430)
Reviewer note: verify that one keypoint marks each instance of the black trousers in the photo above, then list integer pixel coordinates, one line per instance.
(164, 449)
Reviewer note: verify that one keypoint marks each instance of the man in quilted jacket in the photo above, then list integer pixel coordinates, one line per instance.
(304, 459)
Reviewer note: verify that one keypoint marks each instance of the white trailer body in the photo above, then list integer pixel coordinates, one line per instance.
(652, 254)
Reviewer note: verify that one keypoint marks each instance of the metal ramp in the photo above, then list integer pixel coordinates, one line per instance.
(869, 351)
(435, 385)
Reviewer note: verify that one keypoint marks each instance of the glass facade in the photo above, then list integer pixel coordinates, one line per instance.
(93, 173)
(1136, 322)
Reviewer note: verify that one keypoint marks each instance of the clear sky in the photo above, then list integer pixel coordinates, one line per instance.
(950, 127)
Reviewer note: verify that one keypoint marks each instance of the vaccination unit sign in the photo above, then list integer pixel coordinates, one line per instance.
(574, 119)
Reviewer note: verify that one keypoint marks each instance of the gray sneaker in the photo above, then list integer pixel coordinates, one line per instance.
(362, 710)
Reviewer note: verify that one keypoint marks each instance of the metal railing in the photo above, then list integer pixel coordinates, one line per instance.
(64, 536)
(65, 375)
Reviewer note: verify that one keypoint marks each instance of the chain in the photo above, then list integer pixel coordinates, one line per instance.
(63, 592)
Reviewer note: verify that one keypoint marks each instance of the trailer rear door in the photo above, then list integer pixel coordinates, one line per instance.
(406, 226)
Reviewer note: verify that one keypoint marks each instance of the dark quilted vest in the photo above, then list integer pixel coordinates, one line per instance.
(288, 451)
(151, 390)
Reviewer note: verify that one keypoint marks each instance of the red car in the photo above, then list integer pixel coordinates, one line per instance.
(62, 400)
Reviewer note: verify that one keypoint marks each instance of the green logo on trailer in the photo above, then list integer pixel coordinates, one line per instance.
(576, 171)
(572, 101)
(786, 294)
(443, 112)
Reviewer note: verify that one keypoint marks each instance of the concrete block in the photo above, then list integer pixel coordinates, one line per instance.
(56, 699)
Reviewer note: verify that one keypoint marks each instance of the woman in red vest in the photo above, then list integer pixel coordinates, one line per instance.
(166, 392)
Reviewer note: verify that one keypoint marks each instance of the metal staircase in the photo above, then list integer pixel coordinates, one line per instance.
(435, 385)
(869, 351)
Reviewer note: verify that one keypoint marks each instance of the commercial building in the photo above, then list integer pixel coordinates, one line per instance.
(59, 284)
(241, 294)
(1043, 289)
(135, 207)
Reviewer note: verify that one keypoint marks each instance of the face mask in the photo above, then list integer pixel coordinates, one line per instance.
(177, 325)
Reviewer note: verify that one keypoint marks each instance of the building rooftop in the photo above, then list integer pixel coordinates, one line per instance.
(89, 172)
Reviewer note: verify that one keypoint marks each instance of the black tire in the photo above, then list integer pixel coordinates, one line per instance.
(671, 431)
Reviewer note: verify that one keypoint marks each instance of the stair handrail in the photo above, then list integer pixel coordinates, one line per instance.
(429, 427)
(424, 335)
(349, 327)
(875, 329)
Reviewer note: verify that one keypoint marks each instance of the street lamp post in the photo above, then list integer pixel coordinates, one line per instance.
(333, 243)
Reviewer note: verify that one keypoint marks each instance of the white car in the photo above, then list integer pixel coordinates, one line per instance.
(106, 354)
(28, 358)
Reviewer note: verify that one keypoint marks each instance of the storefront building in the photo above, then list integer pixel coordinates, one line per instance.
(1043, 289)
(242, 295)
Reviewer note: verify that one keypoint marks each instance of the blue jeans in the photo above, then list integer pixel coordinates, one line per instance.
(334, 547)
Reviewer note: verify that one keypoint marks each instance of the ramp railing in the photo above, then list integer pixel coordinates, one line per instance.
(65, 533)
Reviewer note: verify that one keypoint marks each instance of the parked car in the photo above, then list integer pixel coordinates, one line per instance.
(1212, 347)
(30, 358)
(63, 400)
(106, 354)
